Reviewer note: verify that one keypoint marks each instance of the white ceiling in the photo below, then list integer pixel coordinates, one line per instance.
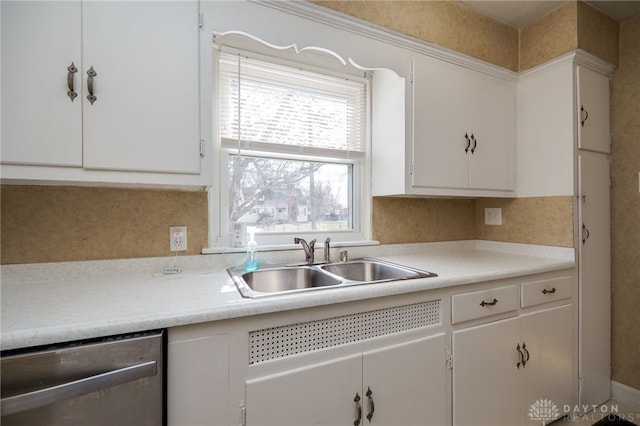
(519, 13)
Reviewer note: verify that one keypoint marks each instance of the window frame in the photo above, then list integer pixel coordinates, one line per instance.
(219, 226)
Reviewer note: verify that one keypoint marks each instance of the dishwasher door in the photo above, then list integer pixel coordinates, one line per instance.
(113, 381)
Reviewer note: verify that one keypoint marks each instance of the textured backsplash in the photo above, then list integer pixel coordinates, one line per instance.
(53, 224)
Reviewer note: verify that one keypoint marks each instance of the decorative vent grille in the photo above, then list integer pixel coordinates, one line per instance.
(280, 342)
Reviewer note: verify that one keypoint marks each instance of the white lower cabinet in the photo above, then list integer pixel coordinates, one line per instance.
(401, 384)
(507, 357)
(547, 377)
(197, 377)
(514, 371)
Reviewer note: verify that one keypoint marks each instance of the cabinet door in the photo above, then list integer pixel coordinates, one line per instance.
(41, 125)
(594, 260)
(146, 56)
(440, 121)
(548, 373)
(486, 380)
(198, 366)
(492, 124)
(321, 394)
(594, 130)
(408, 383)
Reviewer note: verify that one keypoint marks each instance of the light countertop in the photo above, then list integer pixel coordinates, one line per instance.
(59, 302)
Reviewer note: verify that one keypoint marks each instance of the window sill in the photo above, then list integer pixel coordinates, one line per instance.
(282, 247)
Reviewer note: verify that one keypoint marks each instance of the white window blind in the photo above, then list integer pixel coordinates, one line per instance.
(273, 107)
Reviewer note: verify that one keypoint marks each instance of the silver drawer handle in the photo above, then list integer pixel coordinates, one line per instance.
(42, 397)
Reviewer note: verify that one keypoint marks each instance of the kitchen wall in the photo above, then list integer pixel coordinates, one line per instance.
(412, 220)
(53, 224)
(549, 37)
(597, 33)
(446, 23)
(535, 220)
(625, 208)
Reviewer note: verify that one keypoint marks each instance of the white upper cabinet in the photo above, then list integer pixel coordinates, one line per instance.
(594, 129)
(146, 116)
(492, 122)
(41, 123)
(440, 125)
(463, 128)
(137, 91)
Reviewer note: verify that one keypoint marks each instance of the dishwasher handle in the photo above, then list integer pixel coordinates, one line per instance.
(30, 400)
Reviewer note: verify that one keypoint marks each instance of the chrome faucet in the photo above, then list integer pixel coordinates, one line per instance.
(327, 252)
(307, 247)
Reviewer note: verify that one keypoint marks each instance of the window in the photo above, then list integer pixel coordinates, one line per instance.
(293, 149)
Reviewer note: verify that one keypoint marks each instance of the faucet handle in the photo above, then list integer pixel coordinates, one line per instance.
(327, 250)
(312, 243)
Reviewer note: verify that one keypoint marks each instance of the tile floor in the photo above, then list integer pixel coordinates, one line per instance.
(610, 407)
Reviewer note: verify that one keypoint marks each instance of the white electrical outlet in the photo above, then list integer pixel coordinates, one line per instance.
(493, 216)
(178, 238)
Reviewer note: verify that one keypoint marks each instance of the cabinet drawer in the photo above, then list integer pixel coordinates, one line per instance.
(483, 303)
(543, 291)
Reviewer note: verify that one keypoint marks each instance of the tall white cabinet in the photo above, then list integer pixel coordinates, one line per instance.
(594, 254)
(594, 128)
(101, 86)
(563, 149)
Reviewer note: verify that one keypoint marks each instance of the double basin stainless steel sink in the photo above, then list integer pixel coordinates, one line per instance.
(276, 280)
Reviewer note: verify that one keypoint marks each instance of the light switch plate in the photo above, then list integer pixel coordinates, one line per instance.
(493, 216)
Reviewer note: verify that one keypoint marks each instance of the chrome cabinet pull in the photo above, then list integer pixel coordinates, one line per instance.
(71, 70)
(466, 149)
(475, 143)
(91, 74)
(372, 407)
(545, 291)
(492, 303)
(586, 115)
(357, 421)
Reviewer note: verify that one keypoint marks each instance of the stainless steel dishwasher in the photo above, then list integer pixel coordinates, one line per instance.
(118, 380)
